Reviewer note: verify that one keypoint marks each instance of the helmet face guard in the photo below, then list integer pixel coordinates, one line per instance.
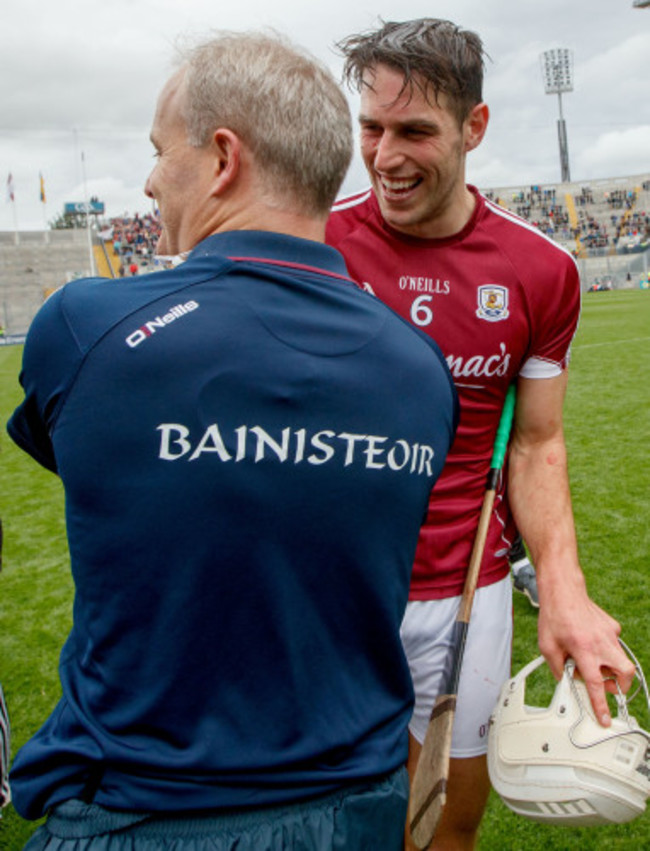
(5, 795)
(557, 764)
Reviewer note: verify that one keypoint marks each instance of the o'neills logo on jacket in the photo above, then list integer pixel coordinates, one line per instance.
(294, 446)
(158, 322)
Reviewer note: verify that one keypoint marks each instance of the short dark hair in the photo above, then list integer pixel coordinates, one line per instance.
(432, 54)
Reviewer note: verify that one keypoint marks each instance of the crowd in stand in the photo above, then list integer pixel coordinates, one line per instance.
(134, 240)
(585, 197)
(591, 232)
(620, 199)
(626, 229)
(540, 207)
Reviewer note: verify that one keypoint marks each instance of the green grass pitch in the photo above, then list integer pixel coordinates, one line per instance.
(608, 434)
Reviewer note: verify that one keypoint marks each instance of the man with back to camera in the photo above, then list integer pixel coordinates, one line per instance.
(243, 497)
(502, 301)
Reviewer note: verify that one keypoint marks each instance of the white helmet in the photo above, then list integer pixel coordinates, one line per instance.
(557, 764)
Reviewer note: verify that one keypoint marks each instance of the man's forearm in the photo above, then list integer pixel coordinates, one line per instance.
(538, 489)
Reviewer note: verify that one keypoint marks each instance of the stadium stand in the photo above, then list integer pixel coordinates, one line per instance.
(134, 242)
(605, 224)
(32, 267)
(34, 263)
(107, 260)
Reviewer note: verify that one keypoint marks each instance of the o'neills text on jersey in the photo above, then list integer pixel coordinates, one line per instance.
(149, 328)
(424, 285)
(295, 446)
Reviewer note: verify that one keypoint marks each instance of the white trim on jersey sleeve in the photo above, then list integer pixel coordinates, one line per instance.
(517, 220)
(352, 200)
(540, 368)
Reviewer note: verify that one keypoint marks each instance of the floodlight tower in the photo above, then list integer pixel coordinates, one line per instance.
(557, 68)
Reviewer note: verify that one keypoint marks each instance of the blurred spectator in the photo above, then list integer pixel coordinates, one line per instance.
(134, 240)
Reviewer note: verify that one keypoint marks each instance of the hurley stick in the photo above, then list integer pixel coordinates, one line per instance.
(429, 789)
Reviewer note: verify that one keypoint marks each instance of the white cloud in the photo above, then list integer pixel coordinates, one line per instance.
(631, 146)
(96, 67)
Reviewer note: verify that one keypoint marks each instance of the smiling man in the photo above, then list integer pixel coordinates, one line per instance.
(414, 149)
(502, 301)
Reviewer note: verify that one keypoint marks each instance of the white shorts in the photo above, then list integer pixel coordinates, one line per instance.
(426, 631)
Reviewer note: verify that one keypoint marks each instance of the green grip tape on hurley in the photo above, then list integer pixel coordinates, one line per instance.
(503, 429)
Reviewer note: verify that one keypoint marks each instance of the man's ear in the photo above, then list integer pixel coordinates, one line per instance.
(475, 126)
(227, 152)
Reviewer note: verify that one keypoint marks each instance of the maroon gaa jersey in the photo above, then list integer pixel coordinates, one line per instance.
(501, 300)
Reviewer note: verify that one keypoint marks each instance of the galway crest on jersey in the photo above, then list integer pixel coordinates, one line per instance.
(492, 302)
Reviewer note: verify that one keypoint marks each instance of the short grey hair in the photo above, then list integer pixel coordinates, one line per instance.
(284, 105)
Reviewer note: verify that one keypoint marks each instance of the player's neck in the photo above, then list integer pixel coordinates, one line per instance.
(459, 214)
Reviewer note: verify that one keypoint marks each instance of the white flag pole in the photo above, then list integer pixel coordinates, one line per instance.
(46, 234)
(11, 196)
(45, 227)
(16, 234)
(91, 256)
